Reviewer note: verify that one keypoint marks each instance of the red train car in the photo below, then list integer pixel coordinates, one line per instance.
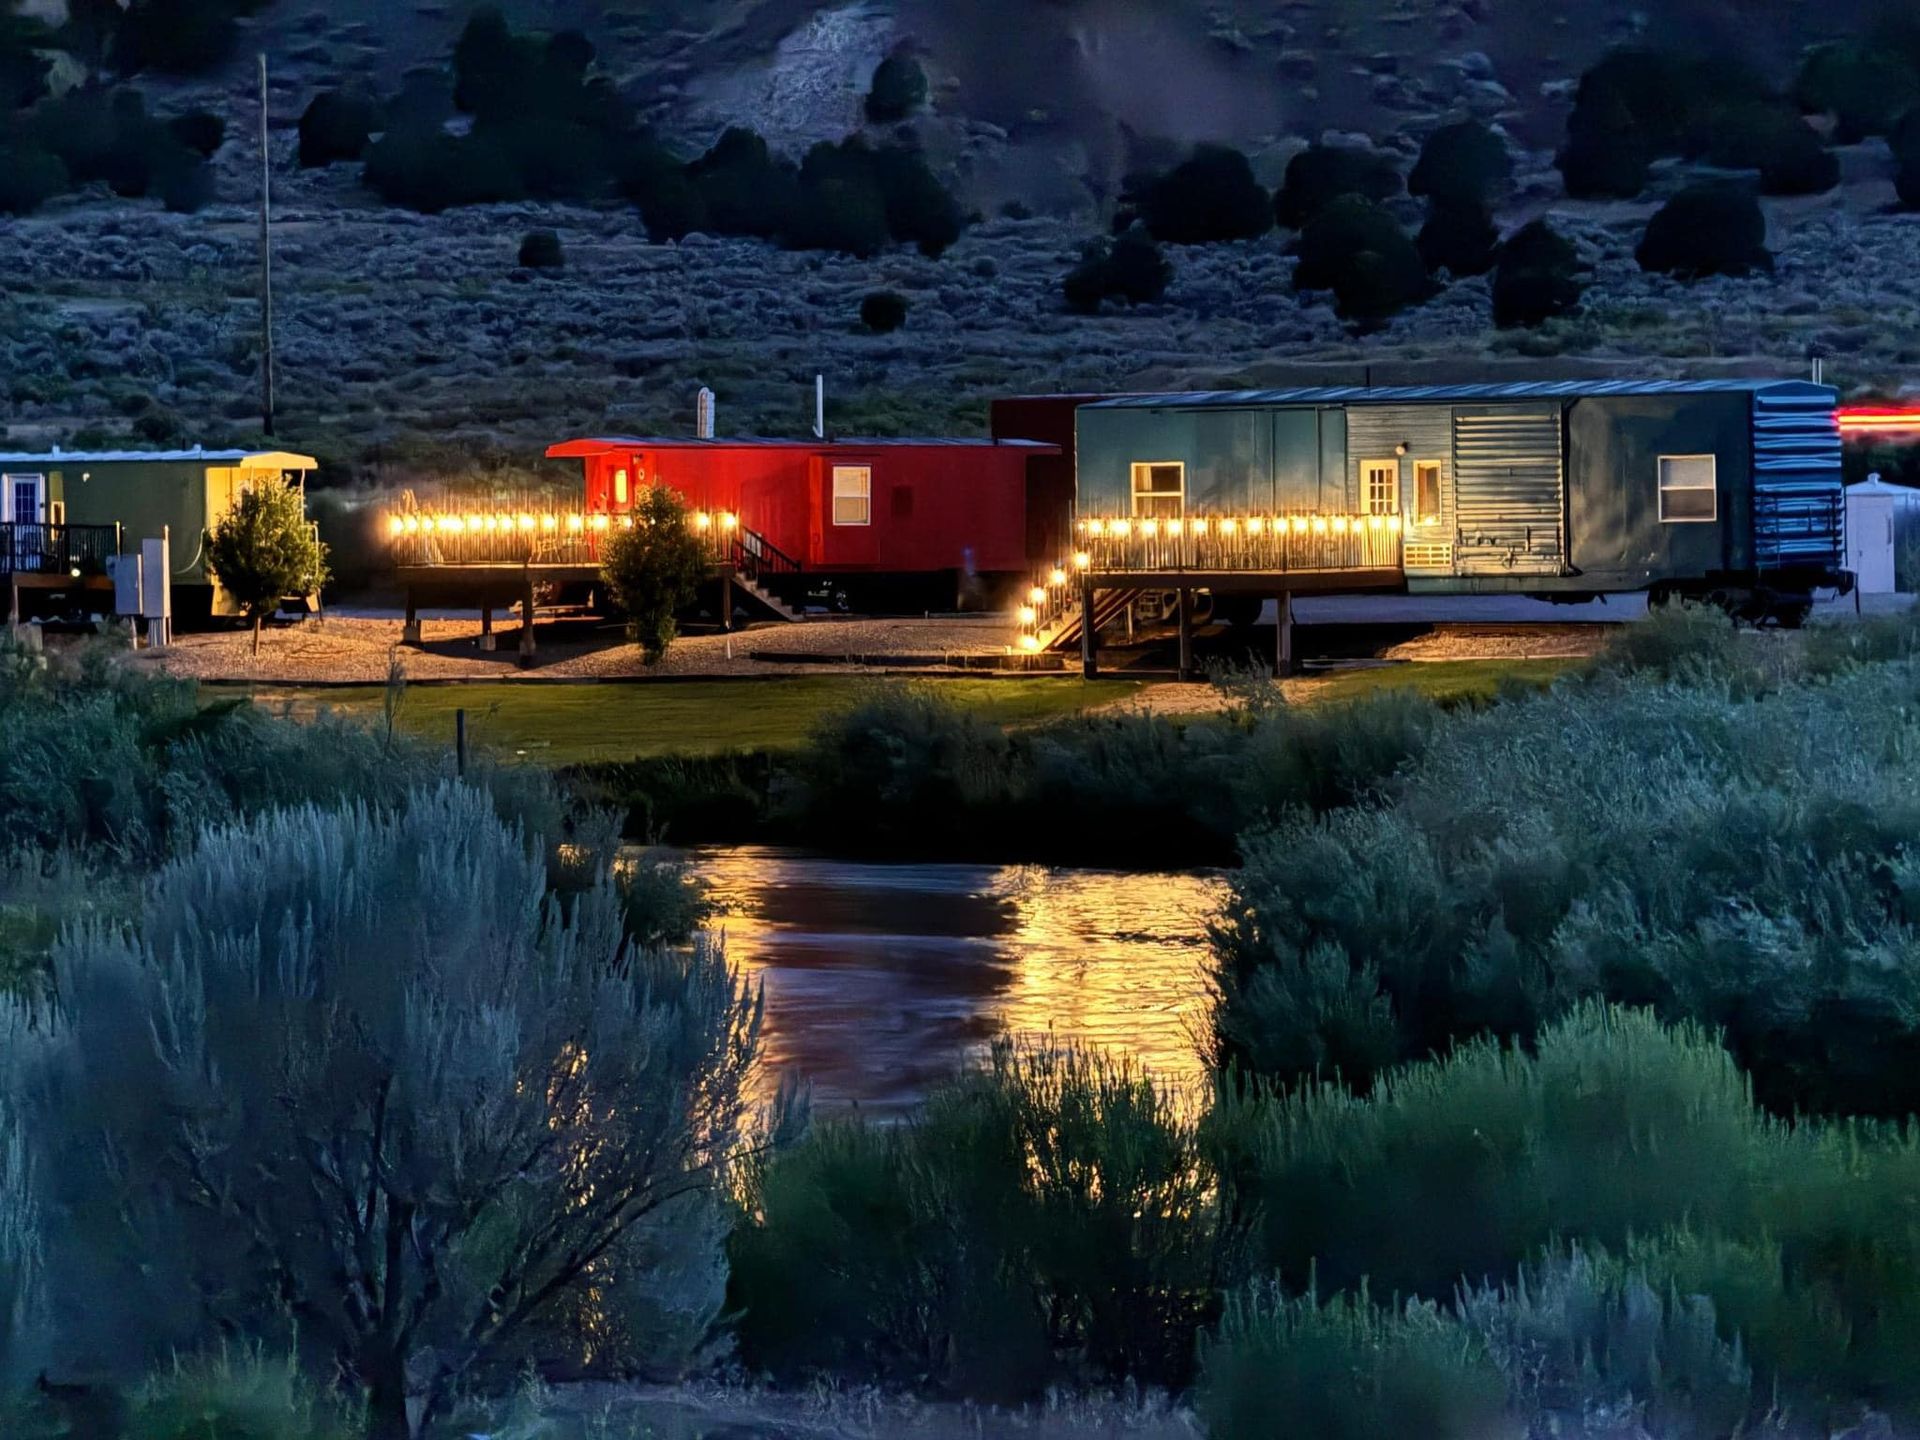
(936, 509)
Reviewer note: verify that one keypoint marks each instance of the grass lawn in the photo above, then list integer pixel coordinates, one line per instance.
(566, 724)
(1446, 682)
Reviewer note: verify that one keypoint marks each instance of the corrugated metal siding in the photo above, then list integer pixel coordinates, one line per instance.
(1798, 500)
(1509, 491)
(1521, 390)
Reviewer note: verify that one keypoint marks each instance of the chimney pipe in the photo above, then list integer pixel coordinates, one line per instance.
(703, 414)
(819, 407)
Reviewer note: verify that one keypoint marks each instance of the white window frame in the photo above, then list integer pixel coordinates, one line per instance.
(1368, 505)
(622, 487)
(13, 478)
(1439, 512)
(1142, 470)
(1712, 489)
(862, 475)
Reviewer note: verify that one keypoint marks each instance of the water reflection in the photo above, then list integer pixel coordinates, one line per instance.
(883, 979)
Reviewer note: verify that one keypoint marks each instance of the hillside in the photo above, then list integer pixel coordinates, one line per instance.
(402, 336)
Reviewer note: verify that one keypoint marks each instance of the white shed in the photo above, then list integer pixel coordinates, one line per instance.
(1879, 518)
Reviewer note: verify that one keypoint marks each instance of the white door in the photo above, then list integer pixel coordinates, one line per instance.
(23, 498)
(21, 504)
(1870, 542)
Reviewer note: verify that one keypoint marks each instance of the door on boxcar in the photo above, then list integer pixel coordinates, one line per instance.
(1509, 478)
(851, 526)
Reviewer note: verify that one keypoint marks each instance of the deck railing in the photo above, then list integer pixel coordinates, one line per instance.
(448, 538)
(34, 549)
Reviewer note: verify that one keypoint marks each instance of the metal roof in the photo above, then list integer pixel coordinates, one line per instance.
(599, 444)
(1407, 394)
(281, 459)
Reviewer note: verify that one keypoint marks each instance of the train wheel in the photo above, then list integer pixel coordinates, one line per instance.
(1792, 614)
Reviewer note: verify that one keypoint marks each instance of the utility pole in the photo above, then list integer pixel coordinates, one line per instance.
(266, 262)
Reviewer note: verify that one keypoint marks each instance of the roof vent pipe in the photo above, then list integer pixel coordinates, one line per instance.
(703, 414)
(819, 407)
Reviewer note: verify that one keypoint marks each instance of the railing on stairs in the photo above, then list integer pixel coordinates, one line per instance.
(755, 557)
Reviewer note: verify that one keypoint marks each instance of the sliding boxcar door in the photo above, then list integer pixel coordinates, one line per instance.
(1510, 502)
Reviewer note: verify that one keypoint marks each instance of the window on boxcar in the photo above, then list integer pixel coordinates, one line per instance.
(1160, 488)
(620, 487)
(1380, 486)
(903, 502)
(1426, 491)
(1687, 489)
(852, 495)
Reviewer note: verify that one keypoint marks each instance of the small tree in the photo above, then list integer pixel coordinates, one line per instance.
(1538, 276)
(883, 312)
(1129, 268)
(1706, 230)
(1465, 164)
(899, 89)
(654, 570)
(1321, 174)
(1358, 251)
(541, 250)
(391, 1099)
(1210, 196)
(263, 550)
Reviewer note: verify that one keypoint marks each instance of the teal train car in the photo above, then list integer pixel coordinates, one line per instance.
(1728, 490)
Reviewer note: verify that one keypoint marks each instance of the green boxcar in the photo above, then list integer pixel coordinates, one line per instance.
(82, 505)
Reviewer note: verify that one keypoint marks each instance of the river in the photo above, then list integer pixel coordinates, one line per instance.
(881, 980)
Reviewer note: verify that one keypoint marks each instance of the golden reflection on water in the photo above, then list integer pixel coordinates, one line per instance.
(882, 980)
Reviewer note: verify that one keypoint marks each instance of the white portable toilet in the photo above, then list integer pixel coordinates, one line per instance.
(1879, 515)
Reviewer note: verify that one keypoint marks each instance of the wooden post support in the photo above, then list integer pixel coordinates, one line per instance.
(1089, 640)
(486, 627)
(1186, 634)
(526, 626)
(726, 598)
(410, 631)
(1283, 643)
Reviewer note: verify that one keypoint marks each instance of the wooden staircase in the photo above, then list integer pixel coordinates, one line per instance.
(754, 562)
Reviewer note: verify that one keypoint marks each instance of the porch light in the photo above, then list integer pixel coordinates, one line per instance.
(1028, 615)
(1082, 560)
(1029, 642)
(728, 520)
(1151, 528)
(1393, 524)
(1319, 524)
(626, 522)
(1299, 524)
(1199, 527)
(575, 523)
(1056, 576)
(1174, 527)
(601, 522)
(1228, 527)
(549, 522)
(1375, 522)
(1120, 528)
(396, 527)
(473, 522)
(703, 521)
(1256, 525)
(1339, 524)
(526, 522)
(1037, 595)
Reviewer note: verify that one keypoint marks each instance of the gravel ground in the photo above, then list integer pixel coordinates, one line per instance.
(356, 649)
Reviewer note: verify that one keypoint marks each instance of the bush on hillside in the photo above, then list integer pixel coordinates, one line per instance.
(200, 131)
(1866, 87)
(430, 171)
(541, 250)
(920, 210)
(1358, 251)
(1706, 230)
(1462, 165)
(29, 177)
(883, 311)
(838, 204)
(1210, 196)
(1598, 163)
(745, 189)
(1321, 174)
(669, 201)
(1637, 105)
(1537, 276)
(337, 125)
(1460, 239)
(1129, 268)
(1778, 143)
(24, 66)
(107, 135)
(181, 37)
(899, 89)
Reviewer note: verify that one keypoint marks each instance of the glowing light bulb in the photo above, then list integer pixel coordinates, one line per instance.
(703, 521)
(1374, 522)
(526, 521)
(1082, 560)
(1319, 524)
(1121, 528)
(626, 522)
(1299, 524)
(1029, 642)
(1339, 524)
(1028, 615)
(473, 522)
(1393, 524)
(1174, 527)
(1199, 527)
(1151, 528)
(728, 521)
(1256, 525)
(1056, 576)
(1228, 527)
(549, 522)
(396, 526)
(601, 522)
(1038, 595)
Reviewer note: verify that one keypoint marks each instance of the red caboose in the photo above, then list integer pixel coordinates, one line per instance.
(878, 518)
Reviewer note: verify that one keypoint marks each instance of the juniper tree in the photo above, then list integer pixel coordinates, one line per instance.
(265, 549)
(383, 1094)
(654, 570)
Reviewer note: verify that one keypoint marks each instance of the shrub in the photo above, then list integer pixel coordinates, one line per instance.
(1322, 174)
(1051, 1217)
(1706, 230)
(1598, 162)
(1347, 1369)
(1462, 240)
(1208, 197)
(182, 37)
(920, 210)
(1683, 641)
(1776, 142)
(229, 1396)
(29, 177)
(263, 550)
(1359, 252)
(336, 125)
(883, 311)
(108, 135)
(744, 189)
(1129, 268)
(1865, 86)
(899, 89)
(393, 1010)
(1464, 165)
(24, 66)
(541, 250)
(654, 570)
(1537, 276)
(1456, 1169)
(200, 131)
(429, 171)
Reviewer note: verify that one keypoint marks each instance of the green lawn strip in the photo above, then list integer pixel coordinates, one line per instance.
(1446, 682)
(574, 724)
